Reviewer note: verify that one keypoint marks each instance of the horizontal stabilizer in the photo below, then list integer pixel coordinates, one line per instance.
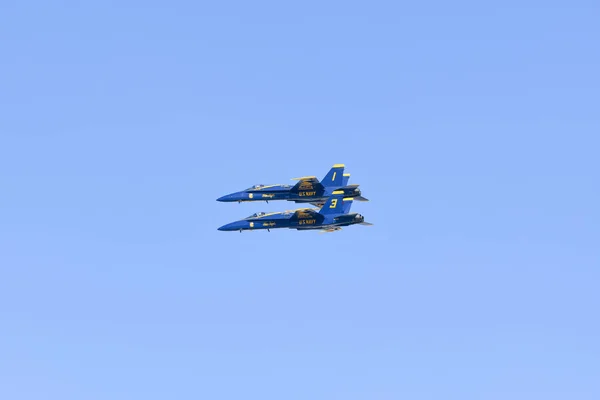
(366, 223)
(360, 198)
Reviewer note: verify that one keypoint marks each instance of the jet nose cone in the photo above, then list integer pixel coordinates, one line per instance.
(235, 226)
(238, 196)
(227, 227)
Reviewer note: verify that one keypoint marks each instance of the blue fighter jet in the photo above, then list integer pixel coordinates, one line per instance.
(307, 190)
(334, 214)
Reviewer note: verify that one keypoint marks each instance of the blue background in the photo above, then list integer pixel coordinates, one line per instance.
(472, 127)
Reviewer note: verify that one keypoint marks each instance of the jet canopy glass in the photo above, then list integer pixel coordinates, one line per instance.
(255, 187)
(256, 215)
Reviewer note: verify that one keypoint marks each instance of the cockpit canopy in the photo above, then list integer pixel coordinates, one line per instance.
(257, 215)
(256, 187)
(260, 186)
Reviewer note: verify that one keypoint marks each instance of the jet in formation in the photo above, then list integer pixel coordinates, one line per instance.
(307, 190)
(333, 215)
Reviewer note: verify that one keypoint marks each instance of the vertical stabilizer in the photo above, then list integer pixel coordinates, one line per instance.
(336, 204)
(335, 176)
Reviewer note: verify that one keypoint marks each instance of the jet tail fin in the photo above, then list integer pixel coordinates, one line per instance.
(336, 204)
(335, 176)
(346, 205)
(345, 179)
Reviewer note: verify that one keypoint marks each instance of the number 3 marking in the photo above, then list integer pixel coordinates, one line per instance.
(333, 203)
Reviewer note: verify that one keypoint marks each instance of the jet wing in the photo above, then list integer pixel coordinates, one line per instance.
(302, 212)
(307, 218)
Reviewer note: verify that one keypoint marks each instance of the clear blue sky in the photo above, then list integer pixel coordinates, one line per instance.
(473, 128)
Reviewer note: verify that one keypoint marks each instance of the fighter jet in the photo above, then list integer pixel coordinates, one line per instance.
(307, 190)
(334, 214)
